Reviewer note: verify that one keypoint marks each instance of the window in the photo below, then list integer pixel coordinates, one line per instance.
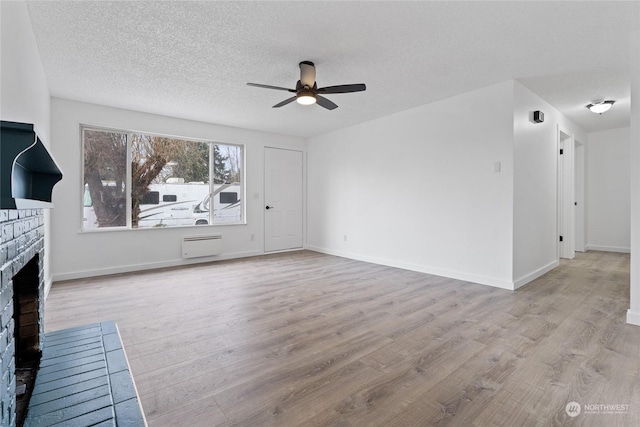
(135, 180)
(151, 198)
(227, 197)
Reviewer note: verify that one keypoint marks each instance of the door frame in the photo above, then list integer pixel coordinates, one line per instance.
(580, 241)
(565, 195)
(304, 195)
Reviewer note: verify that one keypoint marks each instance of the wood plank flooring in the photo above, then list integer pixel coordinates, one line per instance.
(302, 338)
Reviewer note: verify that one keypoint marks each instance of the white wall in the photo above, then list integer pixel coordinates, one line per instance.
(77, 254)
(608, 187)
(418, 190)
(633, 315)
(24, 94)
(535, 200)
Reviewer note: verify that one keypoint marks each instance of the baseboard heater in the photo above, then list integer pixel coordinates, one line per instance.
(200, 245)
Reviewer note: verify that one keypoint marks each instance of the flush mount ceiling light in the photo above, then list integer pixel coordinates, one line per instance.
(306, 96)
(600, 107)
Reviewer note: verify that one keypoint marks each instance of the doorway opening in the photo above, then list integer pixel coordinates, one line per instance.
(566, 196)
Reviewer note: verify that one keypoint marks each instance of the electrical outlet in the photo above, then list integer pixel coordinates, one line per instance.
(253, 237)
(345, 237)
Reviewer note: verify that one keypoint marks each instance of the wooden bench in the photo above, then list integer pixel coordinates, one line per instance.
(84, 379)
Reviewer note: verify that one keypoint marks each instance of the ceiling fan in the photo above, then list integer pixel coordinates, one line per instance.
(307, 91)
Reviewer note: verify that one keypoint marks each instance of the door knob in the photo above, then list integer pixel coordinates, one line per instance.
(269, 207)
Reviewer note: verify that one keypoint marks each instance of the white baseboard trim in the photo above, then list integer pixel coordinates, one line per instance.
(633, 317)
(283, 251)
(482, 280)
(535, 274)
(608, 249)
(81, 274)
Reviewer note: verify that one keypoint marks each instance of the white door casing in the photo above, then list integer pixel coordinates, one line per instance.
(579, 188)
(566, 197)
(283, 195)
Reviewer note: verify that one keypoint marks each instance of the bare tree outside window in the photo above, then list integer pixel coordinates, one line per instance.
(105, 175)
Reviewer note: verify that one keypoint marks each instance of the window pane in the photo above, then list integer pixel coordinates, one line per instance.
(142, 180)
(227, 197)
(178, 172)
(151, 198)
(104, 171)
(227, 188)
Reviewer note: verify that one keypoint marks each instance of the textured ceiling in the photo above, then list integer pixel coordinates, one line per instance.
(193, 59)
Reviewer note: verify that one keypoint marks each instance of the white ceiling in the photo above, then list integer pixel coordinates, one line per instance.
(193, 59)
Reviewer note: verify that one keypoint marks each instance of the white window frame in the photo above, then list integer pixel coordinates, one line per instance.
(128, 182)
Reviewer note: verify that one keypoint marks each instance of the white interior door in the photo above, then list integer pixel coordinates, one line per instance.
(566, 197)
(283, 199)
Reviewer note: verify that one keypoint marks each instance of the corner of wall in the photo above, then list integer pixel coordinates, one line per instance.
(25, 95)
(633, 315)
(534, 275)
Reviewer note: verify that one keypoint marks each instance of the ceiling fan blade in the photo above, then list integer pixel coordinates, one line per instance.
(271, 87)
(343, 88)
(285, 102)
(324, 102)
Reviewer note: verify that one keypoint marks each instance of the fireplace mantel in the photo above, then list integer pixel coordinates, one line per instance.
(27, 170)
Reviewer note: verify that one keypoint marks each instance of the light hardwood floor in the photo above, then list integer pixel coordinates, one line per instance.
(308, 339)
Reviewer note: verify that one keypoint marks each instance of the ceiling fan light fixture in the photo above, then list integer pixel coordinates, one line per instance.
(307, 91)
(306, 97)
(600, 107)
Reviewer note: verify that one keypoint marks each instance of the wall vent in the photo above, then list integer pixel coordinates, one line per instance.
(200, 245)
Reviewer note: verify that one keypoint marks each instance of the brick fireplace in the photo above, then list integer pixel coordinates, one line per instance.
(21, 300)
